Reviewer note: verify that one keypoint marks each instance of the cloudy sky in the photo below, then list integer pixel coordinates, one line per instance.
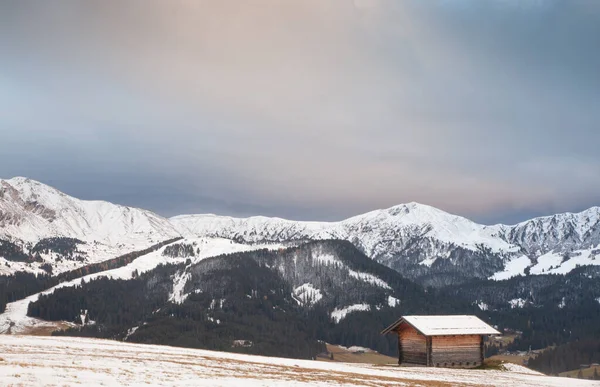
(306, 109)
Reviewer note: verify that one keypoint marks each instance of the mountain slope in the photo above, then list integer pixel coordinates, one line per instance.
(331, 274)
(31, 211)
(280, 300)
(40, 225)
(429, 245)
(558, 233)
(412, 238)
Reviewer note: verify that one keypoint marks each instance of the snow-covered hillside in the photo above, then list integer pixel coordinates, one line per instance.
(331, 274)
(34, 361)
(15, 320)
(398, 223)
(421, 241)
(31, 212)
(559, 233)
(410, 238)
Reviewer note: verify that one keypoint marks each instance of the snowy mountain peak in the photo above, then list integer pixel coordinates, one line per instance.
(416, 214)
(561, 232)
(30, 211)
(412, 206)
(20, 180)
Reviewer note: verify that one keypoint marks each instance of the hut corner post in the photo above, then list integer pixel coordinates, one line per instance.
(481, 351)
(429, 352)
(399, 349)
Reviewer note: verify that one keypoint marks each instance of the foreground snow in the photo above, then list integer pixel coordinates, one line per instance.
(34, 361)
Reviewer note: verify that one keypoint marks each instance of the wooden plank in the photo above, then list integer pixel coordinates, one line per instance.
(456, 351)
(467, 340)
(400, 350)
(412, 344)
(460, 351)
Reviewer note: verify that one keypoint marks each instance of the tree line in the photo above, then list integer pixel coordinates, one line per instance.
(567, 357)
(22, 284)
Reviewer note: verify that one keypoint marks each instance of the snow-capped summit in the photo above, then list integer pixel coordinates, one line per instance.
(560, 232)
(30, 211)
(429, 222)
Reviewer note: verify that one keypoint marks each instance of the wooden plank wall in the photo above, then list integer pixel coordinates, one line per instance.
(412, 345)
(456, 351)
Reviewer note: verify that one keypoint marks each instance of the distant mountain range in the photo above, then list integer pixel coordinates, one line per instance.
(422, 243)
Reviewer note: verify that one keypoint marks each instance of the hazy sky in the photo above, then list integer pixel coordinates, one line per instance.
(306, 109)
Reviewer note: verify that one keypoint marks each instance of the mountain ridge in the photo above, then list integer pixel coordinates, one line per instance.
(34, 215)
(410, 237)
(422, 242)
(49, 212)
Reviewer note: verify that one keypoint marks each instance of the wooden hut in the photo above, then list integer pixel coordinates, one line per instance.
(441, 341)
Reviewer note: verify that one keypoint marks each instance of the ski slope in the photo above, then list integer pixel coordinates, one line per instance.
(35, 361)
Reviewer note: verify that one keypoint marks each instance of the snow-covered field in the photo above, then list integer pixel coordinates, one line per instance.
(37, 361)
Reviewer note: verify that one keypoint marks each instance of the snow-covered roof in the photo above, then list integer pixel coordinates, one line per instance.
(445, 325)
